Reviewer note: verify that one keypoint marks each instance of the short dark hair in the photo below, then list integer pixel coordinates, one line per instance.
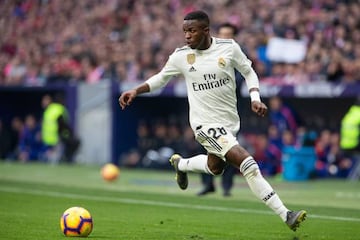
(229, 25)
(198, 15)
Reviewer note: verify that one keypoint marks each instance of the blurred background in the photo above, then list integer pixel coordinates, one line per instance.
(83, 54)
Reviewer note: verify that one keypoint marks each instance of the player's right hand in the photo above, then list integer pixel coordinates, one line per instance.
(126, 98)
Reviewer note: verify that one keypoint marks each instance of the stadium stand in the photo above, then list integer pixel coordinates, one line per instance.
(70, 41)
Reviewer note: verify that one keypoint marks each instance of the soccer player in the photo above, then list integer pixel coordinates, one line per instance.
(207, 64)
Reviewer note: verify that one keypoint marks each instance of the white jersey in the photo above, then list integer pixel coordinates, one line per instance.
(210, 81)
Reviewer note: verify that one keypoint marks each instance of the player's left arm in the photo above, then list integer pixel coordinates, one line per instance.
(243, 65)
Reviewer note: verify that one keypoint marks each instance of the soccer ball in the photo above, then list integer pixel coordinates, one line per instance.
(110, 172)
(76, 222)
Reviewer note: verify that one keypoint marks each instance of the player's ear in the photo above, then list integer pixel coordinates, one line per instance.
(206, 29)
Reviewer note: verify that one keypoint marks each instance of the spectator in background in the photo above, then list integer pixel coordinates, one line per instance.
(16, 133)
(282, 116)
(274, 136)
(350, 137)
(50, 128)
(226, 31)
(30, 145)
(322, 147)
(268, 155)
(5, 141)
(330, 160)
(60, 142)
(343, 165)
(288, 138)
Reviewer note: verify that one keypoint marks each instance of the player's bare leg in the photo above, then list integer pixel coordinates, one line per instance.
(209, 164)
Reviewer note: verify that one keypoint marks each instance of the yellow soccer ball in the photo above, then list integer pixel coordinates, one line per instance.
(110, 172)
(76, 222)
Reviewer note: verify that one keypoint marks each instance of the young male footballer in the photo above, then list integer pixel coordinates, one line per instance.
(207, 64)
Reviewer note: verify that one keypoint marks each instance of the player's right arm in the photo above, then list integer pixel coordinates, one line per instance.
(128, 96)
(155, 82)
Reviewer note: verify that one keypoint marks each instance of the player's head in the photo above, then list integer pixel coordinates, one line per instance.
(227, 30)
(196, 30)
(46, 100)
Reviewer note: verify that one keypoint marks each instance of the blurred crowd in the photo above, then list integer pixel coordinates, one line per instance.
(50, 41)
(157, 143)
(159, 138)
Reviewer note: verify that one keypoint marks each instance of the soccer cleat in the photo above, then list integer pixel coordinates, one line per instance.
(206, 190)
(294, 218)
(181, 177)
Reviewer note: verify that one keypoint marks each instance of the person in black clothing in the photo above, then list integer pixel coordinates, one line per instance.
(225, 30)
(5, 141)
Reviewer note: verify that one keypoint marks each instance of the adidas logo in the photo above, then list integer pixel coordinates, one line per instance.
(192, 69)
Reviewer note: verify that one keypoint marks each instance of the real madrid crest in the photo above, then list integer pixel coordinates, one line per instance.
(191, 58)
(221, 63)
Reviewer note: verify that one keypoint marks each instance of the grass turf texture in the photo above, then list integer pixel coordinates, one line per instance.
(148, 205)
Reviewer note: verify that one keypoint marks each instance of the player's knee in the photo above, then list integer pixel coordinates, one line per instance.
(215, 165)
(217, 171)
(249, 167)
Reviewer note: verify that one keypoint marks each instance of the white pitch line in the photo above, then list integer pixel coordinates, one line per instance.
(350, 195)
(159, 203)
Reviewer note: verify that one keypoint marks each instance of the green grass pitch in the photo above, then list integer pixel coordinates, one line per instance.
(146, 204)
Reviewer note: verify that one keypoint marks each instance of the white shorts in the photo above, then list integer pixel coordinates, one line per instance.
(216, 139)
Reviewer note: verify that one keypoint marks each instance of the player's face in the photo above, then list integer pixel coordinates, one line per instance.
(196, 34)
(226, 32)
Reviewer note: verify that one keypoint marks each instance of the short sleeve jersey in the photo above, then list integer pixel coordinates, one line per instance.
(210, 81)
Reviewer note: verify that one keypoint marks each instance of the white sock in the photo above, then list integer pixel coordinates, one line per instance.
(261, 188)
(197, 163)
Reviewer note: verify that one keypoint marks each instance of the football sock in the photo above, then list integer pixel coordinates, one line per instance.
(261, 188)
(197, 163)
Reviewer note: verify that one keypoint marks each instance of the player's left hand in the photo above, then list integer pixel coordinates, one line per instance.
(259, 108)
